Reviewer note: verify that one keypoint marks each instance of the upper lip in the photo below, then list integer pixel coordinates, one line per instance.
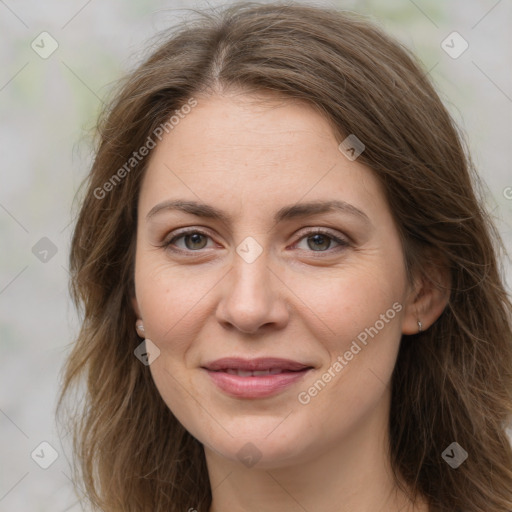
(262, 363)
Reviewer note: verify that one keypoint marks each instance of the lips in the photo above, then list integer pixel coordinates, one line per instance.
(255, 373)
(272, 364)
(255, 378)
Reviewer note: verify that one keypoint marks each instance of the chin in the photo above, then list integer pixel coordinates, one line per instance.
(261, 447)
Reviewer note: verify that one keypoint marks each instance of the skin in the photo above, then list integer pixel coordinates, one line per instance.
(250, 159)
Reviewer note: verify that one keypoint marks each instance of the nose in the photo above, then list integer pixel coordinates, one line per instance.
(253, 298)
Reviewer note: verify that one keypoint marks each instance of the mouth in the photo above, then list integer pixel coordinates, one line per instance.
(255, 378)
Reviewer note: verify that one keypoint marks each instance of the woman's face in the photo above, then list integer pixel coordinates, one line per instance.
(240, 272)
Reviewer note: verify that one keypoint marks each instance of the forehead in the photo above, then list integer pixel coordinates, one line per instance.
(240, 151)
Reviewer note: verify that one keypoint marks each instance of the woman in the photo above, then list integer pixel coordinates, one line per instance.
(291, 296)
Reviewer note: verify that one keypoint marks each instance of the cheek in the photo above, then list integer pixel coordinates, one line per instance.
(346, 302)
(170, 300)
(360, 327)
(176, 389)
(354, 384)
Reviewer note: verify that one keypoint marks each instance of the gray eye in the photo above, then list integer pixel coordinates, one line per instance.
(319, 242)
(194, 241)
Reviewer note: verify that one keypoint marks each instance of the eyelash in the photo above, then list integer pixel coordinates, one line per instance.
(168, 245)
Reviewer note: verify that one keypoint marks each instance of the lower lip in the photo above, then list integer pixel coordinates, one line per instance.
(255, 387)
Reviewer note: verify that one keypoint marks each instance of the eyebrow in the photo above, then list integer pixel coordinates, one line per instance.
(285, 213)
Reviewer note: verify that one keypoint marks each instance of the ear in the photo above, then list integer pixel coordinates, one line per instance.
(428, 296)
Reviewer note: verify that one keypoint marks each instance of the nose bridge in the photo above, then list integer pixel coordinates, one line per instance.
(252, 274)
(251, 296)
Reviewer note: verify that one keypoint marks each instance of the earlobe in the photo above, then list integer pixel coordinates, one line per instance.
(139, 327)
(427, 301)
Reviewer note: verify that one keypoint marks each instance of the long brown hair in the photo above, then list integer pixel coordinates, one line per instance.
(451, 383)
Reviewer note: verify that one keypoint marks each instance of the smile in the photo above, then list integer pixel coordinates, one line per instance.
(256, 378)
